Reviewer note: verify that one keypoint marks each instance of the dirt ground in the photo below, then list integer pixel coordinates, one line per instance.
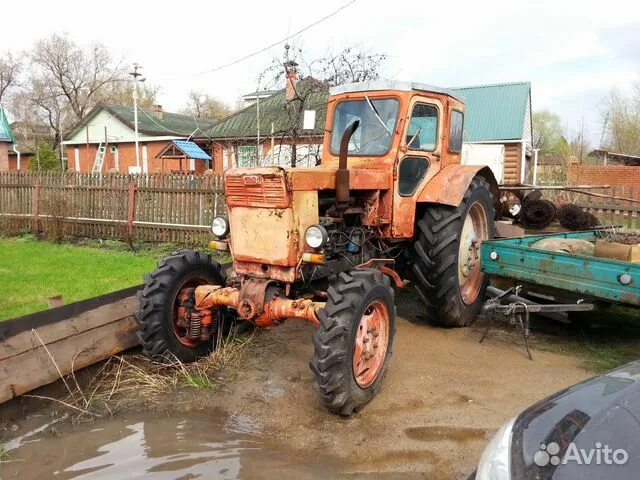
(444, 396)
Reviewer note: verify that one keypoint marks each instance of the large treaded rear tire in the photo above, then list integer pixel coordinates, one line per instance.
(157, 298)
(436, 248)
(349, 296)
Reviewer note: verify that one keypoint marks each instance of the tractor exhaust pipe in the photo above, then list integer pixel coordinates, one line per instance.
(342, 175)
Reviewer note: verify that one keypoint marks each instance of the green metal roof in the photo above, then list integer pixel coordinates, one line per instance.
(171, 124)
(244, 124)
(495, 112)
(5, 130)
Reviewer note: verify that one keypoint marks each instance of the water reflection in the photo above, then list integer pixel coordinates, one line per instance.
(185, 447)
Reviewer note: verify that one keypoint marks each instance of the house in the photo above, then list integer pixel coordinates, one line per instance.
(6, 141)
(604, 157)
(498, 115)
(27, 136)
(104, 140)
(267, 126)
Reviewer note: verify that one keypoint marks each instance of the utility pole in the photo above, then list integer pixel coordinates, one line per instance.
(137, 77)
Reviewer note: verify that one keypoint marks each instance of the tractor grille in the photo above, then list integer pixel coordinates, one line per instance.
(257, 191)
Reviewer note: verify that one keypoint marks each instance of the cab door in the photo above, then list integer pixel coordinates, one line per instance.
(418, 160)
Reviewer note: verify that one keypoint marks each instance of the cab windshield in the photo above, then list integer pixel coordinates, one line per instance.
(377, 124)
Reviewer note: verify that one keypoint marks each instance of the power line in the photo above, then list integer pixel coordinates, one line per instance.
(288, 37)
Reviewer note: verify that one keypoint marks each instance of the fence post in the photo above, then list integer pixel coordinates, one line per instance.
(132, 209)
(36, 206)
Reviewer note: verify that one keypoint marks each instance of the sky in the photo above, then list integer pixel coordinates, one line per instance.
(573, 52)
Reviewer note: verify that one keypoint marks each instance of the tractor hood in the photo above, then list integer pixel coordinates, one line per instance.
(238, 180)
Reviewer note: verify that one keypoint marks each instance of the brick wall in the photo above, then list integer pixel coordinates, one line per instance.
(602, 175)
(127, 158)
(4, 157)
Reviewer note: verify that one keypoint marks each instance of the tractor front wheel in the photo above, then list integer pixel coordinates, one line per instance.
(164, 331)
(354, 342)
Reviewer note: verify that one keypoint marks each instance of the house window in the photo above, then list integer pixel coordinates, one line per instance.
(455, 131)
(247, 156)
(423, 128)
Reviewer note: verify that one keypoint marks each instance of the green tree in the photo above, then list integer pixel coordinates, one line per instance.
(548, 135)
(45, 159)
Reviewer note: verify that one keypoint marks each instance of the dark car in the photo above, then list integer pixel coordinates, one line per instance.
(589, 431)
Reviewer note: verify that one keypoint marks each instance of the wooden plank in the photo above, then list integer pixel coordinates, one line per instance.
(35, 368)
(56, 331)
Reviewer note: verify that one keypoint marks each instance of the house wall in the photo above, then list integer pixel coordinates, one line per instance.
(25, 161)
(512, 162)
(127, 158)
(4, 156)
(116, 131)
(603, 175)
(224, 153)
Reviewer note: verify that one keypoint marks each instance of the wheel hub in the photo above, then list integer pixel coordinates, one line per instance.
(371, 342)
(474, 231)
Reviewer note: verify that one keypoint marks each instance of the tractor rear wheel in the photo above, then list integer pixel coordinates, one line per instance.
(162, 330)
(354, 342)
(447, 268)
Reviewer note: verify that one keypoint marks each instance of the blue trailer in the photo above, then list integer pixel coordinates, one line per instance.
(596, 279)
(590, 281)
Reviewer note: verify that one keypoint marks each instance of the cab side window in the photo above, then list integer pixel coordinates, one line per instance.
(422, 134)
(411, 172)
(455, 131)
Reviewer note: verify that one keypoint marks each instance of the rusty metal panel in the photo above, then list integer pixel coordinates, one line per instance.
(273, 272)
(273, 236)
(257, 187)
(263, 235)
(450, 184)
(324, 178)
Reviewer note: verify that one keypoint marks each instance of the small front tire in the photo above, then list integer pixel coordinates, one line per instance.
(354, 342)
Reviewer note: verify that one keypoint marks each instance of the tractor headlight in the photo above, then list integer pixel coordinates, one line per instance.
(220, 227)
(316, 236)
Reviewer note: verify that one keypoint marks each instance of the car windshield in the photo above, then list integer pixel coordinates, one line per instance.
(377, 123)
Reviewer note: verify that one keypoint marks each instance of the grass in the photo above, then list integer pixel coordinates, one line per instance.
(31, 271)
(607, 338)
(604, 339)
(131, 380)
(4, 455)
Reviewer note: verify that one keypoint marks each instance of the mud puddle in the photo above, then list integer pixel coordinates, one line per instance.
(185, 446)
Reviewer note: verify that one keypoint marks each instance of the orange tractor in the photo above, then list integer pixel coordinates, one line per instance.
(389, 201)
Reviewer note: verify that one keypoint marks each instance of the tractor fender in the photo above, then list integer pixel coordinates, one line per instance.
(447, 187)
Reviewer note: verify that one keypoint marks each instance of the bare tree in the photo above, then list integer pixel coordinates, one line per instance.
(75, 75)
(351, 64)
(622, 121)
(10, 68)
(202, 105)
(65, 81)
(121, 93)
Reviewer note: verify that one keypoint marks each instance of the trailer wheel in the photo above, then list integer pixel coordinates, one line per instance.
(162, 334)
(447, 268)
(354, 342)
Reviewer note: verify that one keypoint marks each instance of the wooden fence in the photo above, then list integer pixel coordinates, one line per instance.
(155, 207)
(610, 211)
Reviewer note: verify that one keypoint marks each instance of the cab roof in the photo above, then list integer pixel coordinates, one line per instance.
(377, 85)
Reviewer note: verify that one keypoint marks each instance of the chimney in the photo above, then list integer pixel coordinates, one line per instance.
(292, 79)
(157, 111)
